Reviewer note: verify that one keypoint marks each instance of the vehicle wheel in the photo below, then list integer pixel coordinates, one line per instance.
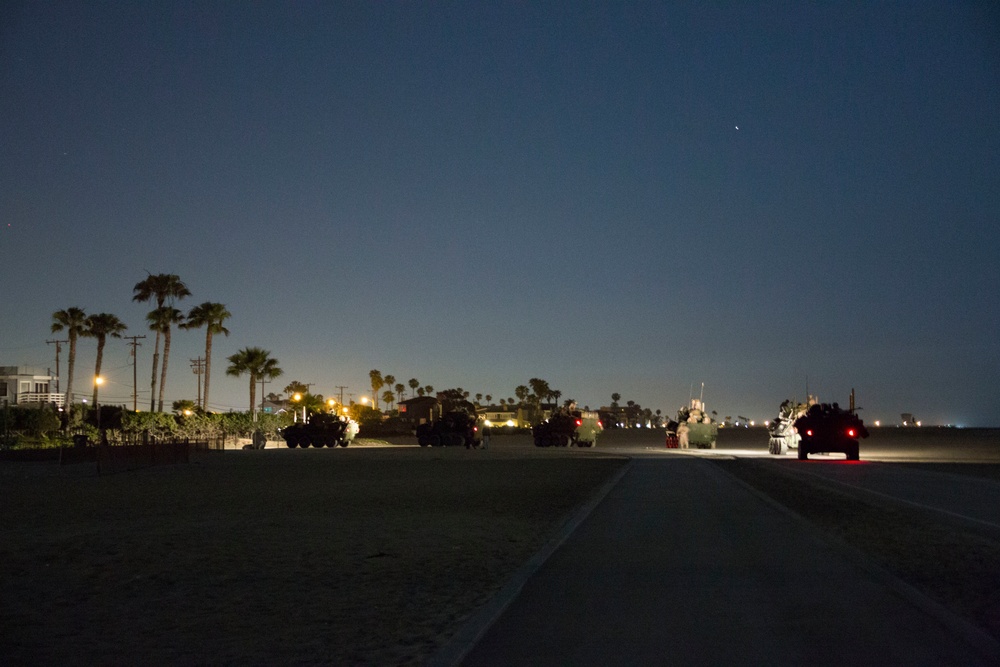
(291, 444)
(561, 440)
(345, 442)
(853, 452)
(803, 453)
(434, 441)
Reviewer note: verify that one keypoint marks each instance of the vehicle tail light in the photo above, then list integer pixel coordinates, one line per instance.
(809, 432)
(579, 423)
(850, 432)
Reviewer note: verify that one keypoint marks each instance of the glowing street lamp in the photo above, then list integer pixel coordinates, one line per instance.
(298, 398)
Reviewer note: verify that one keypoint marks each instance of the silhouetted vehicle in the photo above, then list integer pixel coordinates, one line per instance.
(565, 429)
(828, 428)
(321, 430)
(453, 429)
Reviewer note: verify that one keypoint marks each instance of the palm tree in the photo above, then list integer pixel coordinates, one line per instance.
(388, 397)
(540, 388)
(400, 388)
(257, 363)
(389, 381)
(521, 392)
(296, 387)
(185, 407)
(377, 383)
(74, 322)
(101, 326)
(429, 390)
(161, 320)
(211, 316)
(159, 288)
(614, 399)
(414, 383)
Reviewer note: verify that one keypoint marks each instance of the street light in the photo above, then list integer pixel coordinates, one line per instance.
(298, 397)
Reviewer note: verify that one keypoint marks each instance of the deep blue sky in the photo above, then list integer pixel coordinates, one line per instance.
(474, 194)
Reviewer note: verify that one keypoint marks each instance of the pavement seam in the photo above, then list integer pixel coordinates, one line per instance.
(459, 646)
(982, 642)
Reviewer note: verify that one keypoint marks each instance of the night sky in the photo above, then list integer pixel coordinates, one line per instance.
(615, 197)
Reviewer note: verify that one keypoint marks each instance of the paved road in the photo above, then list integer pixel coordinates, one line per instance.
(976, 499)
(682, 565)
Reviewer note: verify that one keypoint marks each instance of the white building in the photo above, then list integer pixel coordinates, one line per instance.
(25, 384)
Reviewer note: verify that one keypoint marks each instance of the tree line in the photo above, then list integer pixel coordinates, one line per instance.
(163, 290)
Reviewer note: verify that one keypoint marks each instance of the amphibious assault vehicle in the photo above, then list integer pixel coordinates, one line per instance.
(321, 430)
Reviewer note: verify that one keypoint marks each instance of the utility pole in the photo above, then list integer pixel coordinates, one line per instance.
(134, 342)
(341, 388)
(198, 367)
(58, 344)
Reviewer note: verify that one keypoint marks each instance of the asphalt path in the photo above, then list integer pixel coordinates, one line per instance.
(888, 444)
(682, 564)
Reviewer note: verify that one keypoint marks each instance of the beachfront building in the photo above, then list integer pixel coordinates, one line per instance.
(26, 384)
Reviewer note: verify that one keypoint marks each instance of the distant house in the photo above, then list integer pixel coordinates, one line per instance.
(25, 384)
(419, 410)
(274, 407)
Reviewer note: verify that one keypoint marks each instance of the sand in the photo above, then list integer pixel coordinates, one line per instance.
(365, 555)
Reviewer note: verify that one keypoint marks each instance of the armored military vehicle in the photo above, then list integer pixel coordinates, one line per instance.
(828, 428)
(322, 430)
(567, 428)
(453, 429)
(781, 429)
(696, 427)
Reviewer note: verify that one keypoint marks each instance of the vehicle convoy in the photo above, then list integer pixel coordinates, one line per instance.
(454, 429)
(566, 428)
(829, 428)
(322, 430)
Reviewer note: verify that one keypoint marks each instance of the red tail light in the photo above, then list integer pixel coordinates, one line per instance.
(809, 432)
(578, 422)
(850, 432)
